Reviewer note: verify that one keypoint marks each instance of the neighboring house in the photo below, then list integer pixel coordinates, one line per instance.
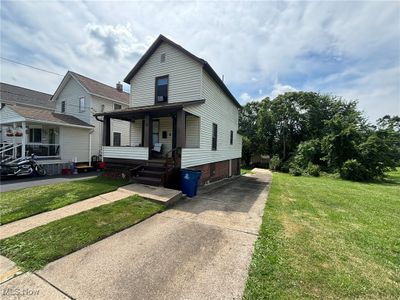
(177, 100)
(61, 128)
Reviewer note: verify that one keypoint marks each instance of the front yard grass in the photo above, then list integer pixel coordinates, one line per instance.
(329, 239)
(33, 249)
(19, 204)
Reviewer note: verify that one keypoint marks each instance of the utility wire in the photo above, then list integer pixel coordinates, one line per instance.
(29, 66)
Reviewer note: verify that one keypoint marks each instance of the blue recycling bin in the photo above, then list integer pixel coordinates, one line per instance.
(189, 182)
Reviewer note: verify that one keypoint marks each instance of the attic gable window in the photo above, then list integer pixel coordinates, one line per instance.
(82, 104)
(161, 89)
(162, 58)
(63, 106)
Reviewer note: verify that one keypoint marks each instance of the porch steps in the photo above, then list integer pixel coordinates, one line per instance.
(148, 180)
(151, 173)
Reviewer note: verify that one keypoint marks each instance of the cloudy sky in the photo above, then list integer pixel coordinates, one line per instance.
(350, 49)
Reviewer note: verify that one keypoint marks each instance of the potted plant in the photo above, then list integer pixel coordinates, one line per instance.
(9, 132)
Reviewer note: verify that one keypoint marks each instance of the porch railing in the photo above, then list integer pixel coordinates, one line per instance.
(128, 152)
(43, 150)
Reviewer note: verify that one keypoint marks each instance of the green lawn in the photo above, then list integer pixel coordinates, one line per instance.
(329, 239)
(33, 249)
(27, 202)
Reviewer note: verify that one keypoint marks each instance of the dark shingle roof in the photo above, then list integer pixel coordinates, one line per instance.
(101, 89)
(206, 66)
(12, 94)
(47, 116)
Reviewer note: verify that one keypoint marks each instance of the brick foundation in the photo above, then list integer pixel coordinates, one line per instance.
(218, 170)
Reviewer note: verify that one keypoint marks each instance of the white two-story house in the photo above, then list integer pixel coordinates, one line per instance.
(60, 128)
(181, 115)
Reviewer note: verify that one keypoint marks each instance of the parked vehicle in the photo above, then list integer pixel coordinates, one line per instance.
(23, 167)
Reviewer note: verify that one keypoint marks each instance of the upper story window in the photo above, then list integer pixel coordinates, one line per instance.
(63, 106)
(102, 108)
(162, 58)
(162, 89)
(214, 136)
(117, 106)
(231, 139)
(82, 104)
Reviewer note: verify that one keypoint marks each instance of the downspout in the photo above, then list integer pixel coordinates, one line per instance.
(90, 147)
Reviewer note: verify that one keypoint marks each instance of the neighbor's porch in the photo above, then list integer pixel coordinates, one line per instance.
(21, 139)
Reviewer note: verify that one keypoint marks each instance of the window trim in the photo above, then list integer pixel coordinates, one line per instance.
(155, 89)
(214, 145)
(63, 106)
(82, 108)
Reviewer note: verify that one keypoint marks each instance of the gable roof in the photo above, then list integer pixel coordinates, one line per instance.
(47, 116)
(16, 95)
(205, 65)
(94, 87)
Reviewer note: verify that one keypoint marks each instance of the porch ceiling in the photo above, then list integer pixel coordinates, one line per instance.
(159, 110)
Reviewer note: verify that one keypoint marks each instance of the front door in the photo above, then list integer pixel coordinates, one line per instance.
(156, 132)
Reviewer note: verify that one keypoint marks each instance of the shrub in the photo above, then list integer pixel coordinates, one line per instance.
(295, 171)
(275, 163)
(313, 170)
(354, 170)
(307, 152)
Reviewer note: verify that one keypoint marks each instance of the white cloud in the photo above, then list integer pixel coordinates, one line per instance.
(245, 97)
(320, 45)
(280, 89)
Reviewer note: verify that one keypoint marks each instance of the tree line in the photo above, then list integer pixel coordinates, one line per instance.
(308, 132)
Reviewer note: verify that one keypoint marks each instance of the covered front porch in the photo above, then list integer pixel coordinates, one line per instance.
(156, 132)
(21, 139)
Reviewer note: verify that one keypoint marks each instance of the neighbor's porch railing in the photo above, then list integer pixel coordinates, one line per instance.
(43, 150)
(128, 152)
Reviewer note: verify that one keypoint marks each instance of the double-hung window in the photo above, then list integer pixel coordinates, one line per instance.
(81, 104)
(161, 89)
(63, 106)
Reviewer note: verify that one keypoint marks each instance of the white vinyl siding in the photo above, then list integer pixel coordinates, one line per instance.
(220, 110)
(99, 105)
(192, 131)
(183, 72)
(71, 94)
(7, 115)
(136, 133)
(74, 143)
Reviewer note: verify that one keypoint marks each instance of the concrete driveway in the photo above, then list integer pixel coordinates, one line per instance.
(199, 249)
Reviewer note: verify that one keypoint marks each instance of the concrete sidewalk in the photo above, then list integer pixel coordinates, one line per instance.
(158, 194)
(199, 249)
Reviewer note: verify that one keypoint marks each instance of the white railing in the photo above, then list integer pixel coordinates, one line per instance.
(139, 153)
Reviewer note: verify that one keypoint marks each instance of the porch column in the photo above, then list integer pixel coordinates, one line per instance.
(181, 128)
(23, 147)
(14, 150)
(106, 131)
(148, 128)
